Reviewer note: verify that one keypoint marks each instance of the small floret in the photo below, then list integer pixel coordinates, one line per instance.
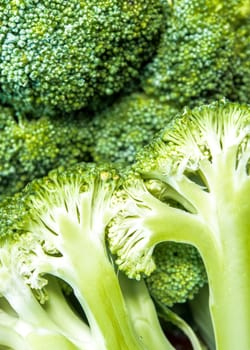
(192, 186)
(179, 274)
(60, 55)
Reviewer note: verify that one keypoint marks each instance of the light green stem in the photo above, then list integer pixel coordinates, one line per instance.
(97, 288)
(220, 231)
(49, 341)
(60, 312)
(11, 339)
(229, 286)
(228, 268)
(143, 312)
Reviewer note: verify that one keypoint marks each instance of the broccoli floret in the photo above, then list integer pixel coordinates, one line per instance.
(194, 60)
(127, 125)
(201, 165)
(31, 148)
(179, 273)
(59, 55)
(53, 232)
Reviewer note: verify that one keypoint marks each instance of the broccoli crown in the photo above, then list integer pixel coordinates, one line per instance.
(194, 60)
(179, 273)
(127, 125)
(59, 55)
(31, 148)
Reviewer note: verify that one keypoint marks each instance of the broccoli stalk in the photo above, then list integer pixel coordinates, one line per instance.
(35, 319)
(9, 334)
(143, 314)
(202, 163)
(18, 334)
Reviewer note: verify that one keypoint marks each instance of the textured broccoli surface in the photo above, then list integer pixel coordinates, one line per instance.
(61, 54)
(241, 90)
(195, 57)
(127, 125)
(179, 273)
(30, 148)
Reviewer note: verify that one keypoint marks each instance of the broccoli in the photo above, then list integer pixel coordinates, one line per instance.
(179, 274)
(30, 148)
(60, 55)
(195, 58)
(52, 234)
(200, 163)
(241, 90)
(122, 128)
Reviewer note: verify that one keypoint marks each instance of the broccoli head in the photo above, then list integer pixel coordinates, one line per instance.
(31, 148)
(194, 60)
(59, 55)
(127, 125)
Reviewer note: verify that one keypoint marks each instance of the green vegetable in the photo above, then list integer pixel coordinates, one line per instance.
(31, 148)
(126, 125)
(53, 239)
(201, 164)
(196, 60)
(119, 256)
(241, 90)
(179, 273)
(60, 55)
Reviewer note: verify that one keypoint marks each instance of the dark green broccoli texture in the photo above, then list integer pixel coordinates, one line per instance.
(59, 55)
(199, 57)
(179, 273)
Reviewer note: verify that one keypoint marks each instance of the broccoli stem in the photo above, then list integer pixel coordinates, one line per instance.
(50, 340)
(61, 313)
(97, 288)
(228, 267)
(220, 231)
(227, 264)
(28, 308)
(229, 299)
(11, 339)
(144, 314)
